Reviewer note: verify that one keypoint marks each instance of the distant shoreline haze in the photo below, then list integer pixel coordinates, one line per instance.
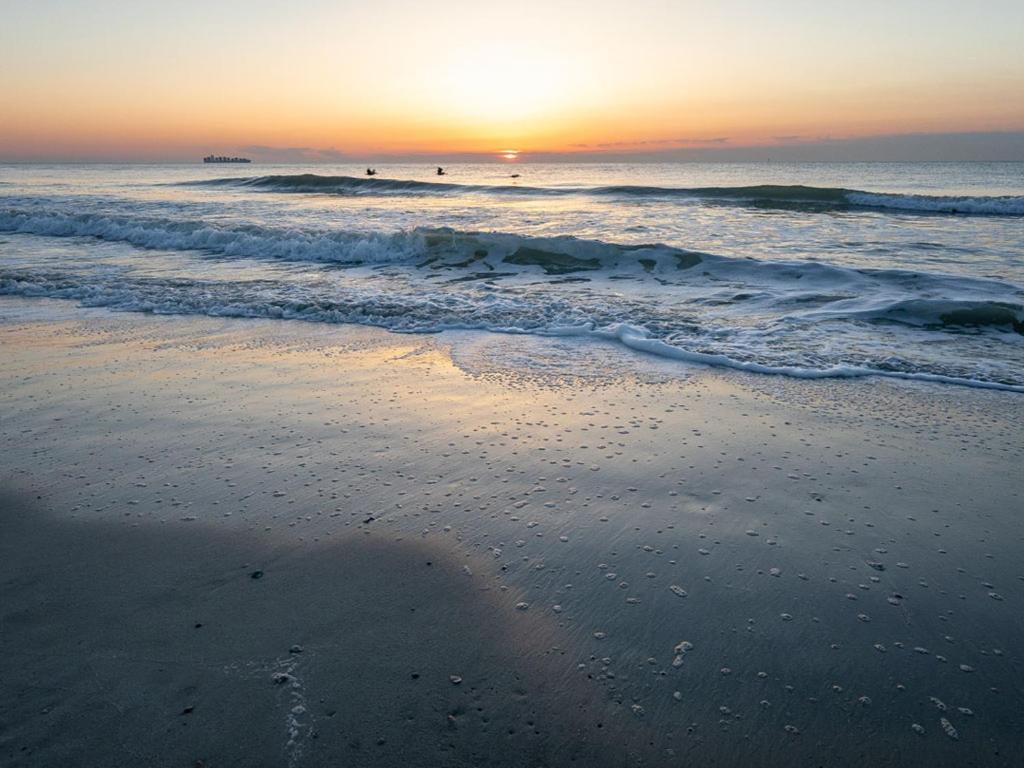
(1003, 146)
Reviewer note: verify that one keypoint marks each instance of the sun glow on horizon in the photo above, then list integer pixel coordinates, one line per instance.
(500, 84)
(335, 78)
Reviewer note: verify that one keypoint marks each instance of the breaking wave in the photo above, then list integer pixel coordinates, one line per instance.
(448, 248)
(798, 197)
(801, 318)
(211, 237)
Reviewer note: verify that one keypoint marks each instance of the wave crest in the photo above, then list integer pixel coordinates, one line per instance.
(796, 196)
(798, 318)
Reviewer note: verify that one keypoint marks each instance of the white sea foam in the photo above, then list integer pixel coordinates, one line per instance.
(248, 241)
(428, 312)
(793, 293)
(985, 206)
(638, 338)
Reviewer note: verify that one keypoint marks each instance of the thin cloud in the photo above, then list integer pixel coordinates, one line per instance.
(657, 142)
(269, 154)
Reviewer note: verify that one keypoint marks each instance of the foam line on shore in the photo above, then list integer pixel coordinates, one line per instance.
(638, 339)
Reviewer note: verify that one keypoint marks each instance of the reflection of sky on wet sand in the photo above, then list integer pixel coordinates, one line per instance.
(840, 570)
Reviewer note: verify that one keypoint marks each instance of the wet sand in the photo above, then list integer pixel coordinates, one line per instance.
(145, 646)
(472, 553)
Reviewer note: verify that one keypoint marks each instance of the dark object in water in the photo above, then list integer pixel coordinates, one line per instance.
(223, 159)
(552, 263)
(440, 171)
(995, 313)
(371, 171)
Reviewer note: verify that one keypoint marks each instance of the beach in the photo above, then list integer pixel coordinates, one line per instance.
(269, 542)
(456, 385)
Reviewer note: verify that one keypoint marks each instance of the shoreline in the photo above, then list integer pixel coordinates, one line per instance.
(177, 449)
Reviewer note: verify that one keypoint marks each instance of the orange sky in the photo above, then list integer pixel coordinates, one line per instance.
(95, 79)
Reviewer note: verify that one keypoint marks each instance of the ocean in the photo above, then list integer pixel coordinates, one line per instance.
(807, 270)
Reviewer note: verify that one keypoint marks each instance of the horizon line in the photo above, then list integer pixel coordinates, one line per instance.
(961, 146)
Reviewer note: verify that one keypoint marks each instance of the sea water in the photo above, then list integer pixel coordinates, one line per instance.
(808, 270)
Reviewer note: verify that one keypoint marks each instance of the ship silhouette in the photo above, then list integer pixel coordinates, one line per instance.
(223, 159)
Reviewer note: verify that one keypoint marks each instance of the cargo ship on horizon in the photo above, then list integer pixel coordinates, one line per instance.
(223, 159)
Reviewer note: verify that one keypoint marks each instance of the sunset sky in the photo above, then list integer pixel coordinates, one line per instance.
(95, 79)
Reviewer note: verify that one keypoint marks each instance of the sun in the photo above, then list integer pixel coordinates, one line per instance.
(500, 83)
(509, 154)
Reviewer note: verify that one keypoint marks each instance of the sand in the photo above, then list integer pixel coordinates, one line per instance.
(235, 543)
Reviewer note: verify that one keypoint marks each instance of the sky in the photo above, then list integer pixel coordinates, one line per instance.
(316, 80)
